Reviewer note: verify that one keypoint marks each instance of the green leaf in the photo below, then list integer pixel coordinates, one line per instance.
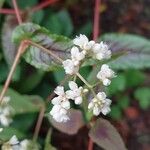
(71, 126)
(1, 3)
(134, 50)
(31, 81)
(24, 122)
(123, 102)
(48, 146)
(37, 16)
(57, 44)
(21, 104)
(8, 132)
(22, 4)
(4, 70)
(59, 23)
(118, 84)
(115, 113)
(104, 134)
(86, 29)
(134, 78)
(143, 96)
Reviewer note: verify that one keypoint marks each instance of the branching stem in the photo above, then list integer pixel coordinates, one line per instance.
(21, 50)
(86, 83)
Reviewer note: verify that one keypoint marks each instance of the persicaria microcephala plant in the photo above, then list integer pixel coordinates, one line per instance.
(82, 50)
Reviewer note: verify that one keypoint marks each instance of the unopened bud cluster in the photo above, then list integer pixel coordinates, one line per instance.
(82, 50)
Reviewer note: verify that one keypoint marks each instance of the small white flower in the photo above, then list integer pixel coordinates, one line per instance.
(100, 104)
(61, 105)
(81, 41)
(105, 74)
(28, 145)
(14, 140)
(101, 51)
(61, 99)
(70, 67)
(59, 114)
(76, 55)
(75, 92)
(12, 144)
(24, 145)
(5, 112)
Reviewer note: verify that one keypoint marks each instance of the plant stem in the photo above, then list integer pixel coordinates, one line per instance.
(7, 11)
(17, 11)
(96, 26)
(39, 123)
(90, 144)
(43, 5)
(21, 50)
(45, 50)
(86, 83)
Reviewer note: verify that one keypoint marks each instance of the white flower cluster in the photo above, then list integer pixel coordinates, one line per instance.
(14, 144)
(82, 49)
(5, 112)
(61, 103)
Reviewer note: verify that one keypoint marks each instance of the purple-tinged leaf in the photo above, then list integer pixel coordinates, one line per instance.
(130, 51)
(71, 126)
(8, 47)
(57, 44)
(104, 134)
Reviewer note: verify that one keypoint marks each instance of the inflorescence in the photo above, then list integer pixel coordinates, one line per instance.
(82, 50)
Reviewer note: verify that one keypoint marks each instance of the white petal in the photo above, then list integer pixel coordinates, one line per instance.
(108, 102)
(105, 110)
(70, 94)
(64, 118)
(56, 100)
(63, 111)
(106, 82)
(91, 105)
(96, 111)
(74, 52)
(78, 100)
(101, 95)
(96, 48)
(99, 56)
(65, 104)
(59, 90)
(73, 85)
(55, 109)
(13, 140)
(80, 40)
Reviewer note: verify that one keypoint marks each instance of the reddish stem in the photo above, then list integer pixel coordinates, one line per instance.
(7, 11)
(43, 5)
(39, 123)
(96, 26)
(90, 144)
(17, 11)
(21, 50)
